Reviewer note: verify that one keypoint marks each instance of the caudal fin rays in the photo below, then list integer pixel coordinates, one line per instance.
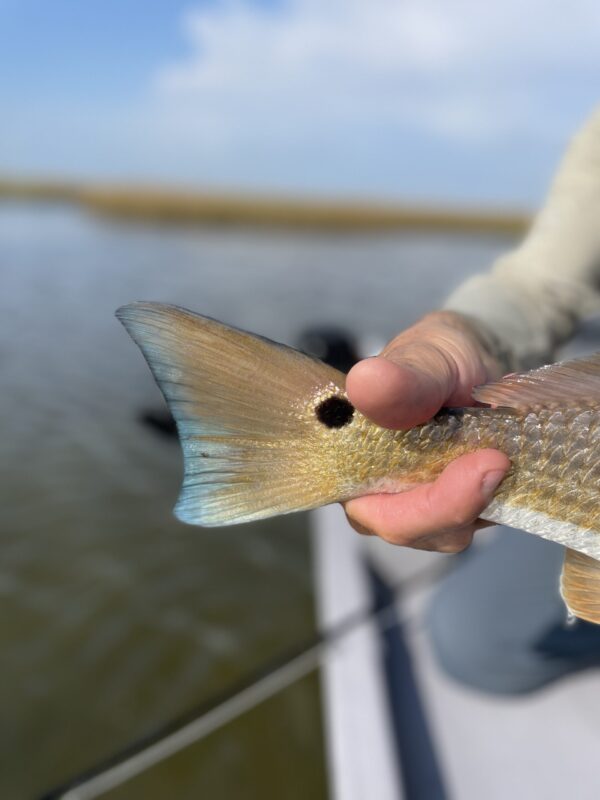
(239, 401)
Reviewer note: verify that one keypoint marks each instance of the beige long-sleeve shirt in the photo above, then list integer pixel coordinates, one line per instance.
(534, 297)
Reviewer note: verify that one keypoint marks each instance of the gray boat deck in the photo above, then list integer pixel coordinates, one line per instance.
(543, 745)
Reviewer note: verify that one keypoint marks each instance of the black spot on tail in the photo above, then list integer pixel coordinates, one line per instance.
(335, 412)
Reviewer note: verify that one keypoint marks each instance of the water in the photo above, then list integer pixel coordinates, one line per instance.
(114, 617)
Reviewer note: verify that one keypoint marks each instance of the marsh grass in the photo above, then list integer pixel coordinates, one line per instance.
(179, 207)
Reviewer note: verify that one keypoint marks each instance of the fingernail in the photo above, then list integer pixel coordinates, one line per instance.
(491, 481)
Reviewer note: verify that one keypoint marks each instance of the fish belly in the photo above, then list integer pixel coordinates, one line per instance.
(553, 488)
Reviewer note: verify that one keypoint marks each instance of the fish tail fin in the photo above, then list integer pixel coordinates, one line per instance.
(245, 413)
(580, 585)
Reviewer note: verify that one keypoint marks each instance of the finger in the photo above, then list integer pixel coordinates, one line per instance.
(453, 541)
(396, 396)
(362, 529)
(449, 504)
(448, 542)
(435, 362)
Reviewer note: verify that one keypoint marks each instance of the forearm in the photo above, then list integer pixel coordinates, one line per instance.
(534, 297)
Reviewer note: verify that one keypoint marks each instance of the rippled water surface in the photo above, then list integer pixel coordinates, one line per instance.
(114, 617)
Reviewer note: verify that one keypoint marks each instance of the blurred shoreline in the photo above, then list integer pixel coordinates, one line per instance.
(168, 206)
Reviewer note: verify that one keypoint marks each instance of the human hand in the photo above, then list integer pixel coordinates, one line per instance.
(434, 363)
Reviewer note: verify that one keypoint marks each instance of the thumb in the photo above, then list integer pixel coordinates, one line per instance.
(396, 393)
(435, 362)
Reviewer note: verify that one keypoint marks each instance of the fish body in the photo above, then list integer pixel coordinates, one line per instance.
(553, 486)
(266, 430)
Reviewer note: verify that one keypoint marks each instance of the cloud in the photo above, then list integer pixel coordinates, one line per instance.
(465, 69)
(462, 100)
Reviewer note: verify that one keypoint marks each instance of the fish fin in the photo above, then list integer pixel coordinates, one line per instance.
(244, 408)
(584, 540)
(565, 383)
(580, 586)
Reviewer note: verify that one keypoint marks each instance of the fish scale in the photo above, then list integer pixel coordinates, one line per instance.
(267, 430)
(546, 458)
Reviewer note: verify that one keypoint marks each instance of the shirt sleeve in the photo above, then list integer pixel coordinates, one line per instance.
(534, 297)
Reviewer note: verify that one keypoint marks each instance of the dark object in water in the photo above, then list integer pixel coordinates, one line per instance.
(332, 345)
(159, 421)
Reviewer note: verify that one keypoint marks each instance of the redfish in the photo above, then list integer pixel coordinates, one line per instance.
(266, 429)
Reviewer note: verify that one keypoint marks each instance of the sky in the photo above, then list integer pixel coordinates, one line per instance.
(456, 101)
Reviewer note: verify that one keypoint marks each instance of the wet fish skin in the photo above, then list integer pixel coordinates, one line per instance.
(555, 456)
(266, 430)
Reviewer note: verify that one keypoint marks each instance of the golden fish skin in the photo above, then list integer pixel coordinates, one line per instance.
(555, 456)
(266, 430)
